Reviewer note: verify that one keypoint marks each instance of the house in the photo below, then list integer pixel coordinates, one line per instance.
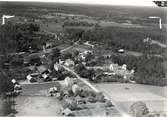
(121, 51)
(48, 45)
(87, 51)
(124, 67)
(75, 88)
(53, 90)
(113, 67)
(80, 100)
(56, 66)
(82, 55)
(32, 77)
(41, 69)
(67, 112)
(69, 62)
(109, 73)
(60, 61)
(107, 56)
(147, 40)
(68, 81)
(32, 67)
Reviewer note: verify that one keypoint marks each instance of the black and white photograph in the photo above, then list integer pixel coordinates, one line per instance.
(83, 58)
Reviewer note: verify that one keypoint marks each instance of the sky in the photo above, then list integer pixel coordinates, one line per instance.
(103, 2)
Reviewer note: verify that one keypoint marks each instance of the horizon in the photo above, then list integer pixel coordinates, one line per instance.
(144, 3)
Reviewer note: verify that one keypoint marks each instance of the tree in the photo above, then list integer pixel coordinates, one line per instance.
(7, 39)
(5, 85)
(150, 71)
(17, 61)
(66, 55)
(35, 60)
(79, 68)
(55, 55)
(139, 109)
(89, 57)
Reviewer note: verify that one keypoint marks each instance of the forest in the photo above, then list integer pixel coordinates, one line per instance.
(126, 38)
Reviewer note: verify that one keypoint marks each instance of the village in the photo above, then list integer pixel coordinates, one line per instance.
(57, 63)
(71, 75)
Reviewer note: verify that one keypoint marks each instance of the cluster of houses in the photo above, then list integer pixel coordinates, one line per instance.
(113, 73)
(17, 87)
(42, 73)
(76, 97)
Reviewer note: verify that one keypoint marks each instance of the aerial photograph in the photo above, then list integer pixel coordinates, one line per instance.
(89, 58)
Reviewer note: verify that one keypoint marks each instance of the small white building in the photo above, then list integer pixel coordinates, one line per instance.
(88, 44)
(121, 50)
(124, 67)
(69, 62)
(68, 81)
(75, 88)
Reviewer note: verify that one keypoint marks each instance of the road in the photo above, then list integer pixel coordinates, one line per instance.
(82, 79)
(119, 109)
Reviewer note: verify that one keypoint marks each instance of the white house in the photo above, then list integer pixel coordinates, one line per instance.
(69, 62)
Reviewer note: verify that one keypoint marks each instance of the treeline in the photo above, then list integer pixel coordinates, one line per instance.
(148, 70)
(126, 38)
(151, 71)
(5, 83)
(77, 23)
(22, 37)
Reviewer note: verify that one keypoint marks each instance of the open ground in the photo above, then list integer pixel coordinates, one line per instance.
(124, 95)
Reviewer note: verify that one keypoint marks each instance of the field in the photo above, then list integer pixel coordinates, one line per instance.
(36, 101)
(52, 27)
(37, 106)
(124, 95)
(125, 23)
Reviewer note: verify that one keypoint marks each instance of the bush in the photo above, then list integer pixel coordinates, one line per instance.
(17, 61)
(100, 97)
(109, 103)
(35, 60)
(33, 80)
